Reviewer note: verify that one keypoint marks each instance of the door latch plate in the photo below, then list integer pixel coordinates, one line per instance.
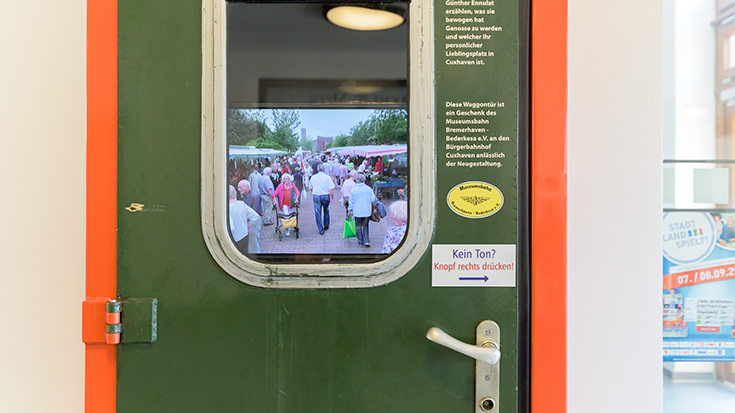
(487, 380)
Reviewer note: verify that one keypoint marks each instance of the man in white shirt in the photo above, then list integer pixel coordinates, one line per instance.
(251, 199)
(322, 188)
(363, 166)
(242, 218)
(254, 179)
(265, 186)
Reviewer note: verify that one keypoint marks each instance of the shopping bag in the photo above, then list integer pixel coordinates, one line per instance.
(375, 215)
(288, 223)
(381, 210)
(349, 228)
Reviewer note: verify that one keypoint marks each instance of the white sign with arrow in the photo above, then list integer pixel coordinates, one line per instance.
(473, 265)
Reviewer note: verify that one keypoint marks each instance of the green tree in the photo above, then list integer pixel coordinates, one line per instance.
(306, 143)
(340, 140)
(284, 133)
(282, 136)
(383, 127)
(390, 126)
(362, 132)
(245, 125)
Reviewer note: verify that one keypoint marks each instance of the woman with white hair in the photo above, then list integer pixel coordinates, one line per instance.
(347, 186)
(287, 195)
(394, 235)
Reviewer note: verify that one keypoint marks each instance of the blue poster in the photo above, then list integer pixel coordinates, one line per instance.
(698, 286)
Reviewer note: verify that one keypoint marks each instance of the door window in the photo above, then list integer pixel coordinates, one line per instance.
(310, 128)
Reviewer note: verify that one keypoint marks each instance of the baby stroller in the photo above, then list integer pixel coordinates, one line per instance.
(287, 221)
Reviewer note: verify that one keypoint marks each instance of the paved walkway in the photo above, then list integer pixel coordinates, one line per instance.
(310, 242)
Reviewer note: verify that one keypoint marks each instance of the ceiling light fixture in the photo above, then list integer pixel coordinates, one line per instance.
(364, 18)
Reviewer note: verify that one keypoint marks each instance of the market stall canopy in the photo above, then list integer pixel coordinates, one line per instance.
(336, 149)
(242, 152)
(370, 151)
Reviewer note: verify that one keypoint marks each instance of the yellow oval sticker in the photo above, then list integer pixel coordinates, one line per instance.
(475, 199)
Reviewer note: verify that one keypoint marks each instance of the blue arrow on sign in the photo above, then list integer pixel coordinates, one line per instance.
(474, 278)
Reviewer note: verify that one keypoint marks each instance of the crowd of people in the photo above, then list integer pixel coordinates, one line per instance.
(262, 191)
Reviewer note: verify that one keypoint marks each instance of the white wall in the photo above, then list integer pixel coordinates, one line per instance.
(614, 148)
(42, 156)
(614, 205)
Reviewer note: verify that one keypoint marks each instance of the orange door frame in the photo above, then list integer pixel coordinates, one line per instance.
(548, 195)
(548, 206)
(101, 252)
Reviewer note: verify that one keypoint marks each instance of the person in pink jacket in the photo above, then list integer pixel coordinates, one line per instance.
(286, 196)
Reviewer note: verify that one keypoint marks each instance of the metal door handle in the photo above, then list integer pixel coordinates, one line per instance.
(487, 352)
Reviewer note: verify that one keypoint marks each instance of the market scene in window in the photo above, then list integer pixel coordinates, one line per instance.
(340, 190)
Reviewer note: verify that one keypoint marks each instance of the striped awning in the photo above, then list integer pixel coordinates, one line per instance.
(370, 151)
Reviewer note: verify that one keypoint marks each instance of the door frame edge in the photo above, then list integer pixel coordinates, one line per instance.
(100, 369)
(548, 206)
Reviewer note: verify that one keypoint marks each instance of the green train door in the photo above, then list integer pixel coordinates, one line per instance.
(314, 323)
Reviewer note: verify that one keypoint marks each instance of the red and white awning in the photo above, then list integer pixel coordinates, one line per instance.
(369, 151)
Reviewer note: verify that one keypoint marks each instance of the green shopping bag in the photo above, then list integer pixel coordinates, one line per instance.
(349, 228)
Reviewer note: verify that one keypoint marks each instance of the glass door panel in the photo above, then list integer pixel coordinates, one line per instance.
(698, 294)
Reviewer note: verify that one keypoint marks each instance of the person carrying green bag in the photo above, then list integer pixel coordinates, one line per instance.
(360, 206)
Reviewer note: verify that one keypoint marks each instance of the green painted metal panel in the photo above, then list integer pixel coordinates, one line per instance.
(225, 346)
(140, 320)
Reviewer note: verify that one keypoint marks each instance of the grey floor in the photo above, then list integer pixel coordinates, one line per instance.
(697, 398)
